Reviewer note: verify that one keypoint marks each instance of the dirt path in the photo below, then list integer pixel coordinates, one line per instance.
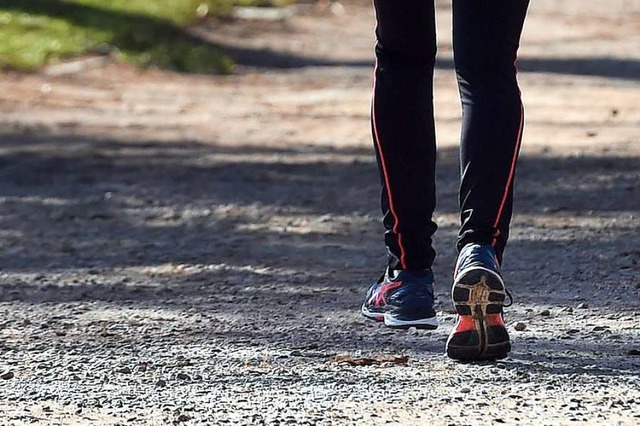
(194, 249)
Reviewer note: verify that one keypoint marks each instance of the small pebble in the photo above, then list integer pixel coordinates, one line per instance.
(632, 352)
(161, 383)
(583, 306)
(6, 375)
(183, 376)
(520, 326)
(124, 370)
(545, 313)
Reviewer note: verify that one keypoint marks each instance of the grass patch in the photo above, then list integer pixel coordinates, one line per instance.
(144, 32)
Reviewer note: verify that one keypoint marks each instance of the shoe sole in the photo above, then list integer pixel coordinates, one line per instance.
(478, 296)
(394, 322)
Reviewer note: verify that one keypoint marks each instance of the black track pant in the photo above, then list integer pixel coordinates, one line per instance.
(486, 35)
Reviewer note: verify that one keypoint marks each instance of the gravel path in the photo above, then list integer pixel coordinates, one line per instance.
(193, 250)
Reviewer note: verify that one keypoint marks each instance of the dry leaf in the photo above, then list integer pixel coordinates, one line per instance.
(363, 361)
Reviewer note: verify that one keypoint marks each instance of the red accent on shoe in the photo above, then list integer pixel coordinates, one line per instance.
(380, 296)
(465, 323)
(494, 319)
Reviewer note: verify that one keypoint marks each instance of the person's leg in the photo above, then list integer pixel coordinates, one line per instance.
(404, 135)
(403, 128)
(486, 39)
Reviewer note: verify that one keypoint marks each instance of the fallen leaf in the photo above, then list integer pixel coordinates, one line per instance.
(364, 361)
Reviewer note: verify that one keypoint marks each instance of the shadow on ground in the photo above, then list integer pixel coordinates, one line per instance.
(273, 243)
(76, 202)
(607, 67)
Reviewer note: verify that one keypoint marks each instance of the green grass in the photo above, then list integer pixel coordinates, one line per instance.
(144, 32)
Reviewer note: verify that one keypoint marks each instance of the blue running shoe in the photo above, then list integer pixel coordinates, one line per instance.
(478, 295)
(402, 300)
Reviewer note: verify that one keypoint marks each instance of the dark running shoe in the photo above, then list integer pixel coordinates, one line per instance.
(402, 300)
(478, 295)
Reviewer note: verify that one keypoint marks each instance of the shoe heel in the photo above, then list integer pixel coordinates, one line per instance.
(480, 333)
(479, 288)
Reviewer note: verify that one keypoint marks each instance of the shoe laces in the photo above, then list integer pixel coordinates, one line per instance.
(510, 298)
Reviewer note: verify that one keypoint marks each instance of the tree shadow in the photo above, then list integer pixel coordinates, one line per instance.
(606, 67)
(73, 202)
(274, 247)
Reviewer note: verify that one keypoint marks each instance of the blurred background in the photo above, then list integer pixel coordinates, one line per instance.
(208, 164)
(111, 43)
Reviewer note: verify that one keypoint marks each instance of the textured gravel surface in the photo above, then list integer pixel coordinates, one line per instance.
(193, 250)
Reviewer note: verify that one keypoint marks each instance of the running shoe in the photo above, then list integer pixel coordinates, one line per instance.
(402, 299)
(478, 295)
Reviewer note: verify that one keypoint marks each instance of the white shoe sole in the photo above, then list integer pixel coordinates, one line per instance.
(388, 319)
